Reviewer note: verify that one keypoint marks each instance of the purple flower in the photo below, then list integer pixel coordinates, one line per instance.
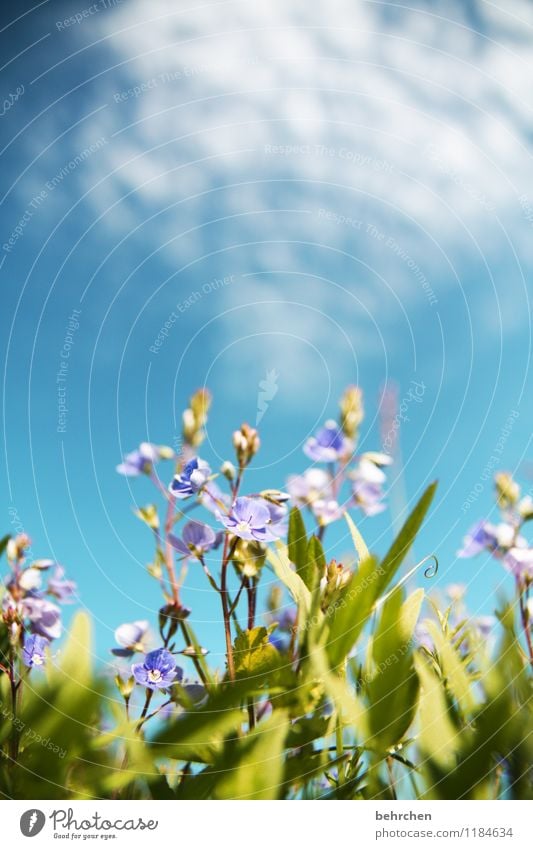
(519, 561)
(191, 480)
(423, 637)
(33, 653)
(480, 537)
(484, 536)
(328, 444)
(279, 520)
(45, 617)
(131, 638)
(484, 625)
(196, 540)
(140, 461)
(157, 671)
(249, 518)
(60, 587)
(327, 510)
(312, 485)
(213, 499)
(368, 497)
(367, 490)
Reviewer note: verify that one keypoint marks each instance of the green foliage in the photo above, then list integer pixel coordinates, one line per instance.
(353, 709)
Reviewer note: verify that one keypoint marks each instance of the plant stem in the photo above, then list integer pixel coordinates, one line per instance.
(224, 597)
(524, 616)
(149, 695)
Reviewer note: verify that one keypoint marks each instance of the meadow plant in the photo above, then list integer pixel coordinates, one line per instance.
(333, 686)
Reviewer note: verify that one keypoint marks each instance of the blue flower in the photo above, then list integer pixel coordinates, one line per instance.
(213, 499)
(191, 480)
(60, 587)
(140, 461)
(367, 490)
(519, 561)
(484, 536)
(249, 519)
(33, 653)
(196, 540)
(45, 617)
(314, 484)
(328, 445)
(157, 671)
(131, 638)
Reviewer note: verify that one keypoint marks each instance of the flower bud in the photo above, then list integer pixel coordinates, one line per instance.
(246, 443)
(228, 470)
(194, 418)
(275, 496)
(16, 547)
(125, 688)
(507, 491)
(352, 411)
(148, 515)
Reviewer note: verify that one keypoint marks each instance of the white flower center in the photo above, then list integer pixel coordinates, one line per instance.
(154, 675)
(37, 659)
(243, 526)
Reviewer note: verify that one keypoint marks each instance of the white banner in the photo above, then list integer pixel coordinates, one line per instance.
(361, 824)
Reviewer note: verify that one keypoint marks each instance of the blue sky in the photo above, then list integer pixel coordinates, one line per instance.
(337, 202)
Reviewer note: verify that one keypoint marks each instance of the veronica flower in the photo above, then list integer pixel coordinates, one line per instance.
(311, 486)
(328, 444)
(249, 518)
(519, 561)
(327, 510)
(197, 539)
(34, 651)
(367, 490)
(131, 638)
(213, 499)
(484, 536)
(140, 461)
(157, 671)
(484, 625)
(191, 480)
(60, 587)
(279, 518)
(30, 579)
(45, 617)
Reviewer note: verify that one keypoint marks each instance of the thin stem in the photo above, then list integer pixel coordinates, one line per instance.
(149, 695)
(189, 641)
(237, 597)
(154, 713)
(169, 552)
(224, 597)
(524, 616)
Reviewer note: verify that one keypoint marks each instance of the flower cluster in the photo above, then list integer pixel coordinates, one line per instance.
(246, 523)
(33, 620)
(504, 539)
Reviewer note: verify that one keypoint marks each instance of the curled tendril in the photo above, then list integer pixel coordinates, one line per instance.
(430, 571)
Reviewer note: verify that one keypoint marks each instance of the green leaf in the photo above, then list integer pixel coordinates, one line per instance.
(316, 563)
(3, 543)
(358, 541)
(437, 736)
(457, 679)
(350, 609)
(253, 654)
(392, 685)
(279, 561)
(297, 545)
(253, 768)
(403, 542)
